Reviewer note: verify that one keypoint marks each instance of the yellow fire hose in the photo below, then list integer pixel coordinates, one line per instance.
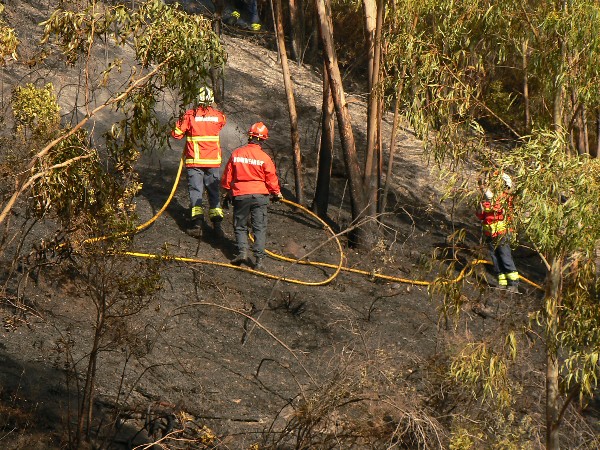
(337, 267)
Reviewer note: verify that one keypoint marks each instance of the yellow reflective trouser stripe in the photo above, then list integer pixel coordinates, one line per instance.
(215, 212)
(197, 211)
(202, 138)
(513, 276)
(502, 280)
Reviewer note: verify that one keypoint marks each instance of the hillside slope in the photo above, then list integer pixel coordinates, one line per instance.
(254, 359)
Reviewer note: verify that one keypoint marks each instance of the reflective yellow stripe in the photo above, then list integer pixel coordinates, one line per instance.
(495, 228)
(202, 161)
(215, 212)
(202, 138)
(502, 280)
(197, 211)
(177, 131)
(512, 276)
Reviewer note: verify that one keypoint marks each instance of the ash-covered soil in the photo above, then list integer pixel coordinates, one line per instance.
(239, 353)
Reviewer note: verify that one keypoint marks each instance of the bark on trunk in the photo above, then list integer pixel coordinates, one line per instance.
(85, 409)
(325, 161)
(596, 151)
(289, 91)
(371, 161)
(526, 87)
(584, 126)
(388, 176)
(216, 74)
(370, 10)
(552, 374)
(343, 115)
(558, 107)
(296, 32)
(578, 125)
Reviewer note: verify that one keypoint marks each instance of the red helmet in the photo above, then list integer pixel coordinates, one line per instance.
(259, 130)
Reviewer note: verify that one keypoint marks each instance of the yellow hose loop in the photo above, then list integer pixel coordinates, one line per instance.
(327, 228)
(338, 267)
(231, 266)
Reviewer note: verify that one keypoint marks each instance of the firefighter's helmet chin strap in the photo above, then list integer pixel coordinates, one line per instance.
(255, 140)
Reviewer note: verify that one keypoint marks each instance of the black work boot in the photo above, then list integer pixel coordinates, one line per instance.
(196, 226)
(258, 264)
(241, 258)
(218, 229)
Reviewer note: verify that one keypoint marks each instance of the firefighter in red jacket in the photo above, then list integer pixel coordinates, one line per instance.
(201, 127)
(494, 213)
(251, 181)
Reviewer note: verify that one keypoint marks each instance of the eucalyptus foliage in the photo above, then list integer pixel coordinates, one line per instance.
(172, 51)
(465, 69)
(461, 65)
(557, 196)
(8, 40)
(184, 45)
(35, 110)
(557, 210)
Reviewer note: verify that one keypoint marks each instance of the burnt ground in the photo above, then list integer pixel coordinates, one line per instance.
(246, 355)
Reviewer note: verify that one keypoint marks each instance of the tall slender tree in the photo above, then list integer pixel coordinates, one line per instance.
(289, 90)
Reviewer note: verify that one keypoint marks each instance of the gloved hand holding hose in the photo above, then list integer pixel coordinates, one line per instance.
(276, 197)
(226, 199)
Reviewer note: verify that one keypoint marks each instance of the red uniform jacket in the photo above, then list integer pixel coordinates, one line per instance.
(250, 171)
(201, 128)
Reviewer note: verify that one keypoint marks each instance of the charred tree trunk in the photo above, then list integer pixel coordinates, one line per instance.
(552, 368)
(353, 171)
(216, 74)
(86, 406)
(289, 90)
(597, 149)
(558, 103)
(584, 128)
(390, 166)
(325, 159)
(577, 131)
(527, 107)
(371, 160)
(370, 10)
(379, 155)
(297, 29)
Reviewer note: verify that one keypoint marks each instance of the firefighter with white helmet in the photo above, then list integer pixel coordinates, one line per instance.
(494, 212)
(201, 127)
(250, 180)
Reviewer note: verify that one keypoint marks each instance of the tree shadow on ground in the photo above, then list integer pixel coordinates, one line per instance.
(41, 419)
(156, 192)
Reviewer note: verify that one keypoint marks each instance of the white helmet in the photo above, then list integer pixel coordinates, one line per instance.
(507, 180)
(205, 95)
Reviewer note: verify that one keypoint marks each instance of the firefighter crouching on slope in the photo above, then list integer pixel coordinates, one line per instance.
(251, 181)
(201, 127)
(494, 212)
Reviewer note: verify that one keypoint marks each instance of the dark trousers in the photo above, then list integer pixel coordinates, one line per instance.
(253, 207)
(250, 8)
(501, 254)
(208, 178)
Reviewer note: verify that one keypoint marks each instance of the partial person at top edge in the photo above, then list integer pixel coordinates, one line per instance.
(243, 14)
